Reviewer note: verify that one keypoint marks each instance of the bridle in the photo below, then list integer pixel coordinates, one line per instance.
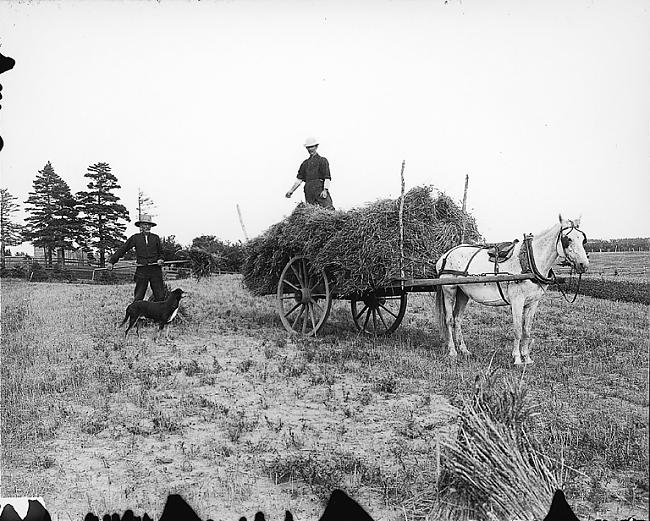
(564, 240)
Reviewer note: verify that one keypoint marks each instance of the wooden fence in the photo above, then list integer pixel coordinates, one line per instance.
(80, 270)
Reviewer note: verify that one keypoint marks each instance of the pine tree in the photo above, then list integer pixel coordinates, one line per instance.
(10, 232)
(102, 210)
(54, 221)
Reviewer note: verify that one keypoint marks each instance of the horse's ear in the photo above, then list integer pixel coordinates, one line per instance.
(560, 217)
(577, 221)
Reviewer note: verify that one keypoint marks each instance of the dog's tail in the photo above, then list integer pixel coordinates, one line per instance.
(126, 317)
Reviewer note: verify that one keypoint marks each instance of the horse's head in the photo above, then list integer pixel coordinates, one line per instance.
(571, 244)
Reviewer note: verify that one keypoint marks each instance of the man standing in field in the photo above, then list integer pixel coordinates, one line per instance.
(315, 173)
(149, 257)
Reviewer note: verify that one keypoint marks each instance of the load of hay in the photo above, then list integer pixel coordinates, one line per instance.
(360, 249)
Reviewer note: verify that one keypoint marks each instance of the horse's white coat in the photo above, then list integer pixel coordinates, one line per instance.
(522, 296)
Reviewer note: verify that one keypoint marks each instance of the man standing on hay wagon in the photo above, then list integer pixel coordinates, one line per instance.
(315, 172)
(148, 252)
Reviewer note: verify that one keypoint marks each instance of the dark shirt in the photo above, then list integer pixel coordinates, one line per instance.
(313, 168)
(146, 252)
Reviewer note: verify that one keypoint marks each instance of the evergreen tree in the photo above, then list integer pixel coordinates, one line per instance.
(10, 232)
(53, 224)
(102, 210)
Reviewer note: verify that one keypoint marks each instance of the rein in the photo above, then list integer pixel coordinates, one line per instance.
(575, 295)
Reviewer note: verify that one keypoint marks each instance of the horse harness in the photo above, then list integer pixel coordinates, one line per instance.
(500, 252)
(497, 252)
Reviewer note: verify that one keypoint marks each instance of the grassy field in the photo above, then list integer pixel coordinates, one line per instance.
(635, 264)
(237, 416)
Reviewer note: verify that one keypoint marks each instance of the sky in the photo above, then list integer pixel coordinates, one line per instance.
(206, 105)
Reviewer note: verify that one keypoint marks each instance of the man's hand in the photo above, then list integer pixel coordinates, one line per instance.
(110, 266)
(323, 194)
(160, 262)
(288, 194)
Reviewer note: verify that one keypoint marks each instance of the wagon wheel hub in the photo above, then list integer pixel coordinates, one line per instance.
(372, 301)
(378, 315)
(305, 295)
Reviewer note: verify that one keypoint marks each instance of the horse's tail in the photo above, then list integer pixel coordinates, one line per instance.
(441, 313)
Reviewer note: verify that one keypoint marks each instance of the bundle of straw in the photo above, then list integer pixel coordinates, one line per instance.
(494, 468)
(202, 262)
(360, 248)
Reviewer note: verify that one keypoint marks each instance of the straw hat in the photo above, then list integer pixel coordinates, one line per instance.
(311, 142)
(145, 219)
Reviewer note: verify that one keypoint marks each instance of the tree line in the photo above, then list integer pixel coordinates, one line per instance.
(93, 220)
(627, 244)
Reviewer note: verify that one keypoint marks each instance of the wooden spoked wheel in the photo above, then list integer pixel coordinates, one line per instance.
(378, 315)
(304, 297)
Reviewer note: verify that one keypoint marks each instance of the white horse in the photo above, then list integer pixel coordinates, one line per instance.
(536, 255)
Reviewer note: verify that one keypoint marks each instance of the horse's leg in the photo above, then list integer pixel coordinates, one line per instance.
(517, 306)
(527, 339)
(449, 295)
(461, 302)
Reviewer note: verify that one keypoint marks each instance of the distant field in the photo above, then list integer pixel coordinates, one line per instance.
(621, 276)
(624, 264)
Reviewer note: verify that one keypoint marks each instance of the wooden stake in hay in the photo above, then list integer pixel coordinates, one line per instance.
(360, 248)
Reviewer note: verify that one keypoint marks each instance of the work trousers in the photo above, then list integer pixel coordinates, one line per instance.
(145, 275)
(313, 189)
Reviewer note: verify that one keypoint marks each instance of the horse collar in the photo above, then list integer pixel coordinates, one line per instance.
(527, 261)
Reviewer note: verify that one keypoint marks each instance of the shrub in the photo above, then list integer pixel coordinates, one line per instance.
(106, 277)
(19, 272)
(61, 273)
(38, 272)
(612, 289)
(627, 291)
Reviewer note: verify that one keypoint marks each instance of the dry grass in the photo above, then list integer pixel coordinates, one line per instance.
(495, 468)
(360, 249)
(237, 416)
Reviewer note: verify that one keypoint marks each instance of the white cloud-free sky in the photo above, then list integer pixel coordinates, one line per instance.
(544, 104)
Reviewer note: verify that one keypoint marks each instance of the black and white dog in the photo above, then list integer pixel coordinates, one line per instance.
(162, 313)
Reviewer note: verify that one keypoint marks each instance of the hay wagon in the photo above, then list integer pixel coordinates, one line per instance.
(305, 296)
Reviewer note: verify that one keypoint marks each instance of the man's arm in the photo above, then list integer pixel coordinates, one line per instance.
(121, 251)
(324, 170)
(325, 176)
(294, 187)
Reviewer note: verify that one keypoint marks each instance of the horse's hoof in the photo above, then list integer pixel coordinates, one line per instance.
(528, 360)
(466, 352)
(453, 355)
(518, 360)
